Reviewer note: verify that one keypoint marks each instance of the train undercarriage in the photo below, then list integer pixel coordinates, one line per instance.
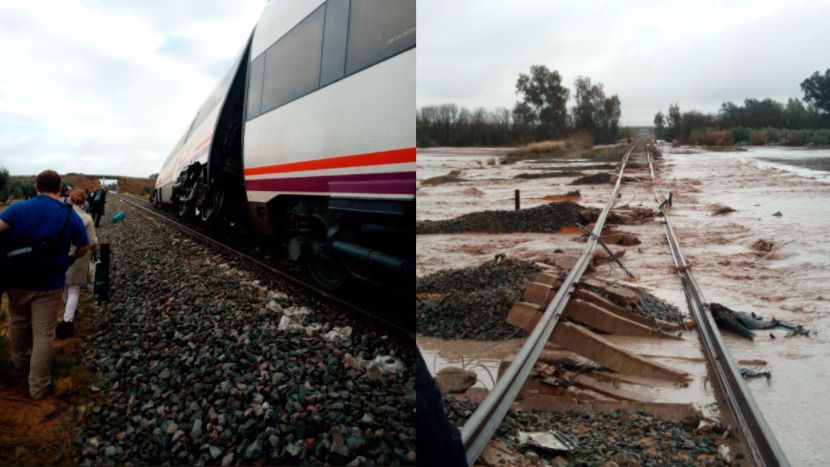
(340, 240)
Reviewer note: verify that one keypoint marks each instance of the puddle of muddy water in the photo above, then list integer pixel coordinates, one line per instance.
(482, 357)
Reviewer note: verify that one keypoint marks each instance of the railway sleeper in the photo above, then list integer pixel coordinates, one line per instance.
(586, 343)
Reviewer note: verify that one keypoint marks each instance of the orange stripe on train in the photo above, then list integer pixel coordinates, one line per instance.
(395, 156)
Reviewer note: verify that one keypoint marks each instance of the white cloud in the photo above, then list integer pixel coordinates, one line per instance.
(109, 87)
(649, 52)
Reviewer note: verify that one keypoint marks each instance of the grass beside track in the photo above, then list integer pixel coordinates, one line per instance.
(574, 147)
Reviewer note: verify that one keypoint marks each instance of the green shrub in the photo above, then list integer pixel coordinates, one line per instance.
(740, 134)
(776, 135)
(712, 138)
(820, 137)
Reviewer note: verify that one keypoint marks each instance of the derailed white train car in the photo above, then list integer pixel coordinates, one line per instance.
(311, 135)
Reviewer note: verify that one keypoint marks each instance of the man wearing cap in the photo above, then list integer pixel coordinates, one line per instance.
(37, 235)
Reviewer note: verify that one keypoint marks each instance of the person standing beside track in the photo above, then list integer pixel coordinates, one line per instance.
(98, 205)
(78, 272)
(38, 234)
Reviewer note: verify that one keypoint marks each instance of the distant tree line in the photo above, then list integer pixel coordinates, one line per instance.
(541, 113)
(14, 189)
(756, 121)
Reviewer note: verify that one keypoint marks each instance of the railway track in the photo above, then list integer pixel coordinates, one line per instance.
(367, 310)
(758, 438)
(482, 424)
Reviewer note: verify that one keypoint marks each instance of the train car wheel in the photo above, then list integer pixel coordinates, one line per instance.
(329, 273)
(213, 204)
(182, 209)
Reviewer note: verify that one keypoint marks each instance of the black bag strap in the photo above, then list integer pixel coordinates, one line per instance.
(60, 232)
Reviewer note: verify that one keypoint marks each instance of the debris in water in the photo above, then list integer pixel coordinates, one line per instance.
(749, 373)
(473, 191)
(798, 331)
(452, 380)
(721, 210)
(452, 177)
(551, 441)
(727, 319)
(753, 321)
(777, 214)
(762, 245)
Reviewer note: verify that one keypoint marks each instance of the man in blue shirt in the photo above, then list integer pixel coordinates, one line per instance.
(36, 300)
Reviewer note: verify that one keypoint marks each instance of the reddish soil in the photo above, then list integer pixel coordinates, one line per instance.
(41, 432)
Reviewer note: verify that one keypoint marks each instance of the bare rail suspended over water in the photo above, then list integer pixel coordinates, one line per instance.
(482, 424)
(758, 438)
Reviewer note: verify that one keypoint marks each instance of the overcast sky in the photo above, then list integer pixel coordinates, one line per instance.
(109, 86)
(650, 53)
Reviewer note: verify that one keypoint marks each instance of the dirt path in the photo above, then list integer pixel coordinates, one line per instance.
(41, 432)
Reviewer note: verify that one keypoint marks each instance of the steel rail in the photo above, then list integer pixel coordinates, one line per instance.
(272, 270)
(753, 429)
(650, 167)
(482, 424)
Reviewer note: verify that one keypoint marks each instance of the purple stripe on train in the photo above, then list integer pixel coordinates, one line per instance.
(394, 183)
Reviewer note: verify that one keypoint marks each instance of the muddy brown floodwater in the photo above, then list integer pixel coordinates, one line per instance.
(791, 282)
(779, 195)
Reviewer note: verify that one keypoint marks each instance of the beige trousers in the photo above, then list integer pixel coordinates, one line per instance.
(31, 333)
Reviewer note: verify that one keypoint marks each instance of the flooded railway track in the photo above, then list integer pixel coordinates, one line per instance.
(757, 436)
(372, 310)
(483, 423)
(739, 408)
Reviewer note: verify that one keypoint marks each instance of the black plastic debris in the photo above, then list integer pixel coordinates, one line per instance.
(743, 323)
(749, 373)
(727, 319)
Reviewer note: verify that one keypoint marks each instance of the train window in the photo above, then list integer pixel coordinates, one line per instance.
(292, 64)
(255, 87)
(334, 41)
(379, 30)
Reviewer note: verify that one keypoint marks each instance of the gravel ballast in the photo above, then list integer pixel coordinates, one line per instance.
(593, 179)
(472, 303)
(622, 438)
(201, 363)
(547, 218)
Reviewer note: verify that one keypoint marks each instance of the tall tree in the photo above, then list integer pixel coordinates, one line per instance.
(795, 115)
(730, 115)
(763, 113)
(659, 125)
(611, 119)
(447, 116)
(817, 91)
(543, 101)
(595, 113)
(674, 122)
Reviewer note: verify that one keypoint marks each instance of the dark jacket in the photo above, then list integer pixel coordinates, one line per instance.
(438, 443)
